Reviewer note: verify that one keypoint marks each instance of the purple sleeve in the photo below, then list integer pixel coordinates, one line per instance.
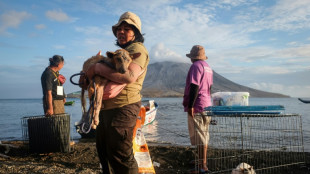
(195, 75)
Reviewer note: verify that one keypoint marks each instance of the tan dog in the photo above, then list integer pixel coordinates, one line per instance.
(119, 60)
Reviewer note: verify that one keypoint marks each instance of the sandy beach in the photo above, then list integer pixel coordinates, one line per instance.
(83, 159)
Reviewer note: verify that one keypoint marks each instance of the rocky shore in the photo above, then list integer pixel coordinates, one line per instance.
(83, 159)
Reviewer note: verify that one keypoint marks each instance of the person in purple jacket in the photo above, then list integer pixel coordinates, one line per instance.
(197, 96)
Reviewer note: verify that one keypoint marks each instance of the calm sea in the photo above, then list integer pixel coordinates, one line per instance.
(170, 125)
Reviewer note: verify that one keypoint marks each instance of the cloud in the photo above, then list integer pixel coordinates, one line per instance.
(59, 47)
(14, 46)
(90, 30)
(291, 14)
(285, 15)
(40, 26)
(58, 15)
(291, 90)
(138, 5)
(260, 59)
(183, 25)
(93, 41)
(12, 19)
(296, 53)
(267, 86)
(160, 53)
(249, 41)
(269, 70)
(230, 44)
(270, 87)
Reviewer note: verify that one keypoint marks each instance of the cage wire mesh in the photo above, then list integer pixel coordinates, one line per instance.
(47, 134)
(271, 143)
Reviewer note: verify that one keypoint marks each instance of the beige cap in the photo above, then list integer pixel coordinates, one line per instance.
(197, 52)
(131, 19)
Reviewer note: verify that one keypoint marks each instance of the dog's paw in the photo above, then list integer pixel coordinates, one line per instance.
(93, 126)
(96, 121)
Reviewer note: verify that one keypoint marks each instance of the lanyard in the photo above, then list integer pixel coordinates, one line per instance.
(56, 77)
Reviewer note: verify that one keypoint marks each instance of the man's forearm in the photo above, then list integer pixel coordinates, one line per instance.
(130, 76)
(49, 100)
(193, 93)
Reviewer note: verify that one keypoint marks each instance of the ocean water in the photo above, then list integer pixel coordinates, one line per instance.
(170, 125)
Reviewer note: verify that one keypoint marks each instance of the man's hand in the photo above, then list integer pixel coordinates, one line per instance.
(49, 112)
(190, 112)
(62, 79)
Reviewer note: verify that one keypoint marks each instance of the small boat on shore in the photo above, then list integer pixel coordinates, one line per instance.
(69, 103)
(304, 100)
(151, 109)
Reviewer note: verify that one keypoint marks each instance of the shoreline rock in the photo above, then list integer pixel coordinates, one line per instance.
(83, 159)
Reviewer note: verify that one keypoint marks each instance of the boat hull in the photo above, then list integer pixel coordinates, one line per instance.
(150, 116)
(303, 100)
(69, 103)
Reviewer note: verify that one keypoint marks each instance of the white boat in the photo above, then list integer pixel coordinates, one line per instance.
(151, 110)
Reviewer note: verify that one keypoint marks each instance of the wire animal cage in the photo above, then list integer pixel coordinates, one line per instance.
(271, 143)
(47, 134)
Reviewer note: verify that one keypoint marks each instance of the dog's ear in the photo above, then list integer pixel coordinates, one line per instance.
(135, 55)
(110, 54)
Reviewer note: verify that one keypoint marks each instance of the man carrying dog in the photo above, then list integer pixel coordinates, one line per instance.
(118, 115)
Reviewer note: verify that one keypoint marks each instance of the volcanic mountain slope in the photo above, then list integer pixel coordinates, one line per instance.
(167, 79)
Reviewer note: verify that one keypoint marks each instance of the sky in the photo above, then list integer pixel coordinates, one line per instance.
(263, 44)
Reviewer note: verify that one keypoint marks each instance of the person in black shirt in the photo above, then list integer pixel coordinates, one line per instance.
(53, 92)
